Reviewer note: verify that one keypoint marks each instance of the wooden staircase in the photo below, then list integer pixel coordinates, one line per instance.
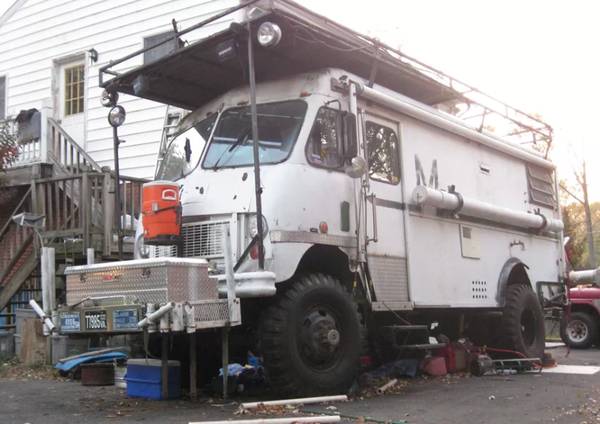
(78, 204)
(18, 258)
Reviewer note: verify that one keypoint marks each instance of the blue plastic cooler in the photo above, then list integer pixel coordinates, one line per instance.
(144, 379)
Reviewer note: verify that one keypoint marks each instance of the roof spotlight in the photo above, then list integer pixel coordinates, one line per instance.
(268, 34)
(116, 116)
(109, 98)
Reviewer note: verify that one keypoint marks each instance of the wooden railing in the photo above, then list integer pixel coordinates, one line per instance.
(78, 202)
(28, 153)
(82, 207)
(65, 151)
(14, 239)
(54, 146)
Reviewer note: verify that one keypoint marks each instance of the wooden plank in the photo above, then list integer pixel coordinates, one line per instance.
(33, 342)
(108, 210)
(65, 202)
(56, 205)
(71, 232)
(85, 208)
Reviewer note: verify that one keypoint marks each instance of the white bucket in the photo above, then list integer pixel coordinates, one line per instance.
(120, 373)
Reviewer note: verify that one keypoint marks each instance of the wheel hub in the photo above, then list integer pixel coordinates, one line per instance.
(577, 331)
(320, 337)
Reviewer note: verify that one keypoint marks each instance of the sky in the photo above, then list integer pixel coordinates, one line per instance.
(539, 56)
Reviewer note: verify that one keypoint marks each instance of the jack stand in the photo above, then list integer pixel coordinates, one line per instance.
(225, 359)
(164, 357)
(193, 367)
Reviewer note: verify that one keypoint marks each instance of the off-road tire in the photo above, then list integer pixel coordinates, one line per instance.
(283, 337)
(522, 323)
(588, 332)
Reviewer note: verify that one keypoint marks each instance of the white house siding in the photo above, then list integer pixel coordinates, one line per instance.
(43, 31)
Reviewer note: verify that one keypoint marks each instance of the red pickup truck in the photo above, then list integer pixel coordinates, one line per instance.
(579, 329)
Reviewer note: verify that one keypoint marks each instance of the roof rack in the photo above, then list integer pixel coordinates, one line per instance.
(194, 74)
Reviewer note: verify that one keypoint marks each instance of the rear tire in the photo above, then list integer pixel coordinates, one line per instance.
(580, 331)
(311, 338)
(523, 321)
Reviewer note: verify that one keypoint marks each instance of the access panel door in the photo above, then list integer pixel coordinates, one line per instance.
(385, 207)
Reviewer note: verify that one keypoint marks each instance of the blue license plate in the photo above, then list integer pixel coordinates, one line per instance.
(125, 319)
(70, 321)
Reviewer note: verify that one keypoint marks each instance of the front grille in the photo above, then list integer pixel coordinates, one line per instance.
(162, 251)
(204, 239)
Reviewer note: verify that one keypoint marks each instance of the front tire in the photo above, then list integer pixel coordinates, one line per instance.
(311, 337)
(580, 331)
(523, 321)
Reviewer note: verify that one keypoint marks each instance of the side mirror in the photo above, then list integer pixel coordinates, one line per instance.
(349, 136)
(357, 167)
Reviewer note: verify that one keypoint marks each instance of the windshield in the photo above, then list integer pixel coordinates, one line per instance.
(185, 150)
(278, 127)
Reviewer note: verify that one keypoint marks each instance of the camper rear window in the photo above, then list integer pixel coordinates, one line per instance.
(278, 127)
(384, 156)
(541, 186)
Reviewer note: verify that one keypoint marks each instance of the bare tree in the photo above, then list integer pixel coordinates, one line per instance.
(581, 196)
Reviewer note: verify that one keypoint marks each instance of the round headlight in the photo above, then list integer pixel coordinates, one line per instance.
(268, 34)
(109, 98)
(116, 116)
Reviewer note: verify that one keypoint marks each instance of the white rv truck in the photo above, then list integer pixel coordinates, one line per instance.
(382, 210)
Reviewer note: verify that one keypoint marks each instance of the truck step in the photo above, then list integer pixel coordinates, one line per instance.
(409, 327)
(423, 346)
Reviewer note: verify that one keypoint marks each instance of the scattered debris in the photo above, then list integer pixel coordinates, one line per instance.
(72, 363)
(381, 390)
(283, 420)
(296, 401)
(14, 369)
(434, 366)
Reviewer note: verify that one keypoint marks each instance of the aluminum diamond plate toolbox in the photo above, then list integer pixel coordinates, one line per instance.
(142, 281)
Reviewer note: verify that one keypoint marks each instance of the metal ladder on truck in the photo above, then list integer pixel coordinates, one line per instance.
(173, 116)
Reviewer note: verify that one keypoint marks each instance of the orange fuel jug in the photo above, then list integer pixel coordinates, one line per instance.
(162, 212)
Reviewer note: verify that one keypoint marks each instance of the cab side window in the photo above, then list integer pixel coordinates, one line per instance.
(324, 146)
(383, 152)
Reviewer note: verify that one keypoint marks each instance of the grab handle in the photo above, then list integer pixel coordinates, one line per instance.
(169, 194)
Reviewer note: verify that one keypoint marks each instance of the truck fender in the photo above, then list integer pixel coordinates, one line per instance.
(506, 274)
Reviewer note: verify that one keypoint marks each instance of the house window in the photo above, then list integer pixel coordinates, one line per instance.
(2, 98)
(541, 186)
(383, 152)
(74, 84)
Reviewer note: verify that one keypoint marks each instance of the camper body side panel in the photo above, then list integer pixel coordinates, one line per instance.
(458, 262)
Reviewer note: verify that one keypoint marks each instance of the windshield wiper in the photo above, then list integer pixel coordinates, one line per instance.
(240, 140)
